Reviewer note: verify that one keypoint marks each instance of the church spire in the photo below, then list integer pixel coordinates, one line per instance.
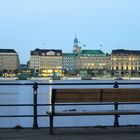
(76, 48)
(75, 41)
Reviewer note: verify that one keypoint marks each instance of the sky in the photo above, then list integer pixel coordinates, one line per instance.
(53, 24)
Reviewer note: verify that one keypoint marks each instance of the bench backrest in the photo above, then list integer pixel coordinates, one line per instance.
(96, 95)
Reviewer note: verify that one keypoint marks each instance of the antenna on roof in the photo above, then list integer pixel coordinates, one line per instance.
(84, 45)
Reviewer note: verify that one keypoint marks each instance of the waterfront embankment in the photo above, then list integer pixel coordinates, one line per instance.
(100, 133)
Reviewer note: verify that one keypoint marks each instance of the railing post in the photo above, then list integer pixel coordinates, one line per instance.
(116, 121)
(116, 85)
(35, 87)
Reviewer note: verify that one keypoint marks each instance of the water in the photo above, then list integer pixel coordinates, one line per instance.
(24, 95)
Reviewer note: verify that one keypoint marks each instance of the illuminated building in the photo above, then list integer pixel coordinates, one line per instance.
(46, 62)
(125, 62)
(92, 61)
(9, 62)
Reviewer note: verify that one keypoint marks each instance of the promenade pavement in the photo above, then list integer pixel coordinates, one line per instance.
(95, 133)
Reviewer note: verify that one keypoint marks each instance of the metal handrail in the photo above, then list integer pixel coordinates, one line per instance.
(83, 83)
(35, 85)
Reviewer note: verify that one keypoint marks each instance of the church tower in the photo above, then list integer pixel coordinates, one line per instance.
(76, 48)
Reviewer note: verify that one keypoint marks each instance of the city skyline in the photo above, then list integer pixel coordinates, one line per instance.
(105, 25)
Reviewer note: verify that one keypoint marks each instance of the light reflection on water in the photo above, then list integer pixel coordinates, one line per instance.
(24, 95)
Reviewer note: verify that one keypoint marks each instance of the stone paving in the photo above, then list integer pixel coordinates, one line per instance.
(98, 133)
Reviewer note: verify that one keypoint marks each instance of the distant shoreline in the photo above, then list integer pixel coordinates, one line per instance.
(69, 78)
(8, 78)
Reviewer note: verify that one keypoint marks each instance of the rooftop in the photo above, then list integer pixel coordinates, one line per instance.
(46, 51)
(69, 54)
(7, 51)
(120, 51)
(92, 52)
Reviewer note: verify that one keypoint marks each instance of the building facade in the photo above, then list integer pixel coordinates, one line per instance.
(108, 65)
(9, 62)
(69, 61)
(125, 63)
(91, 62)
(46, 62)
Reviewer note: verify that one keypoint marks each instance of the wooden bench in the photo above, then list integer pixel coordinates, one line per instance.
(89, 96)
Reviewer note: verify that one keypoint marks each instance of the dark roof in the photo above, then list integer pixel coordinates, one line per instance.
(7, 51)
(40, 51)
(92, 53)
(68, 54)
(120, 51)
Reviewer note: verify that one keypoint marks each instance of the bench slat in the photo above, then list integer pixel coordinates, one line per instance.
(97, 95)
(121, 95)
(77, 95)
(98, 112)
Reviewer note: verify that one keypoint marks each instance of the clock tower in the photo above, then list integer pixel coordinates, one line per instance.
(76, 47)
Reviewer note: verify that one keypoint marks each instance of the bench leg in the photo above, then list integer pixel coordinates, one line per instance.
(51, 124)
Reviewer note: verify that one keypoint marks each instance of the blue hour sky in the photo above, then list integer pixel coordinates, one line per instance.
(53, 24)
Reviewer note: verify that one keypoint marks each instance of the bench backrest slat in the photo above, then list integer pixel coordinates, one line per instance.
(97, 95)
(77, 95)
(121, 95)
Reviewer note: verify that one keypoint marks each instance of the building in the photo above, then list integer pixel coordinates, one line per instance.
(9, 62)
(23, 67)
(69, 62)
(69, 59)
(125, 63)
(108, 65)
(76, 47)
(91, 62)
(46, 62)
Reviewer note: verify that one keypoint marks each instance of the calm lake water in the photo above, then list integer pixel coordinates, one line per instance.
(24, 95)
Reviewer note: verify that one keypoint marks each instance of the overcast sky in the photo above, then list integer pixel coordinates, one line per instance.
(53, 24)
